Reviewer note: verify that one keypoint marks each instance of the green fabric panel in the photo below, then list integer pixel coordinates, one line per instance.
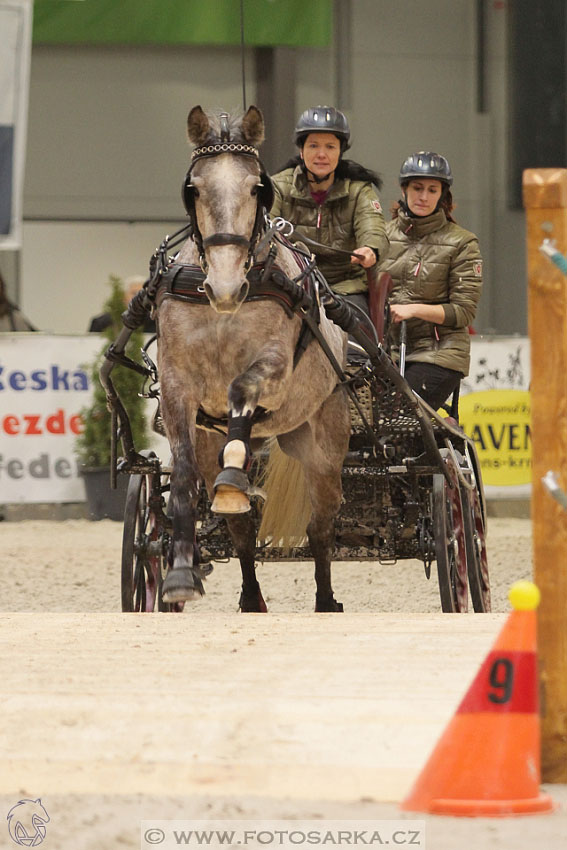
(266, 22)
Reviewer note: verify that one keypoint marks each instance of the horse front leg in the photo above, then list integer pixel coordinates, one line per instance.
(183, 581)
(242, 527)
(232, 487)
(231, 484)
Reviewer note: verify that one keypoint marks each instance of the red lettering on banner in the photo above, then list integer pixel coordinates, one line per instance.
(31, 427)
(35, 424)
(506, 682)
(11, 425)
(55, 424)
(76, 424)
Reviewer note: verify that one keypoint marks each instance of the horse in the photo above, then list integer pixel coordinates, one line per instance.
(238, 364)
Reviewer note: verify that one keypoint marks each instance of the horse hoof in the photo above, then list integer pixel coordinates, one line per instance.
(230, 500)
(328, 605)
(182, 585)
(252, 603)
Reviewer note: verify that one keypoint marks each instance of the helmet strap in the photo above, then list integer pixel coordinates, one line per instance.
(442, 196)
(403, 202)
(312, 178)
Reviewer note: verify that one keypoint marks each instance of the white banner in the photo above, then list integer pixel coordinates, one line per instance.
(43, 386)
(15, 50)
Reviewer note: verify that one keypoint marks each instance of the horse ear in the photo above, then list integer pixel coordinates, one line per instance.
(198, 126)
(253, 126)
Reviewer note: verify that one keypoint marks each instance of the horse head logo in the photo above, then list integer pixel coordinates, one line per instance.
(26, 822)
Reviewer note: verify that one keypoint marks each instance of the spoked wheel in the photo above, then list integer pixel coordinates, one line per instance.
(144, 545)
(475, 540)
(450, 546)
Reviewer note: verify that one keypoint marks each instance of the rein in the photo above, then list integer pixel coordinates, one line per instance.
(287, 228)
(184, 282)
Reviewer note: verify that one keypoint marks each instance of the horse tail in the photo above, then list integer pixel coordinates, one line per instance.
(288, 507)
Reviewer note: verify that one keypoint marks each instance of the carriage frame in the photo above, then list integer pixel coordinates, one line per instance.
(411, 479)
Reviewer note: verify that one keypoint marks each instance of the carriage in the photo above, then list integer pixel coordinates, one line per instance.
(411, 482)
(410, 478)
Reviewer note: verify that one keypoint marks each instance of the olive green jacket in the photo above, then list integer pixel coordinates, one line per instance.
(350, 217)
(435, 261)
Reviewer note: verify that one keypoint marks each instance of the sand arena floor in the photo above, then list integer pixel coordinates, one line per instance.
(112, 719)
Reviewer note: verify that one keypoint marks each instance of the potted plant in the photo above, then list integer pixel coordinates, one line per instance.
(93, 444)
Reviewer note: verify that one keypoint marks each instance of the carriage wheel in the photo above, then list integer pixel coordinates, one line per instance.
(450, 546)
(477, 561)
(144, 563)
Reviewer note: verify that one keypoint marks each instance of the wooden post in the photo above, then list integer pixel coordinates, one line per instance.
(545, 200)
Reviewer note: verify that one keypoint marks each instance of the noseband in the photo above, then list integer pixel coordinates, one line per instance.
(264, 202)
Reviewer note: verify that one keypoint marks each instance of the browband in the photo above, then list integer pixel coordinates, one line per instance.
(224, 147)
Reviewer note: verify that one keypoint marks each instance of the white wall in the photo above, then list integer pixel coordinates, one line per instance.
(107, 140)
(107, 126)
(66, 268)
(413, 71)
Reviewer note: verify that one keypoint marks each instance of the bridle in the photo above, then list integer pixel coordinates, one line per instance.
(265, 196)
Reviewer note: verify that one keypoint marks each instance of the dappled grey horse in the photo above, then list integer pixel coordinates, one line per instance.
(238, 310)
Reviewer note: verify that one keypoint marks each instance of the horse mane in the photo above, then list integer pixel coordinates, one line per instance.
(234, 126)
(346, 168)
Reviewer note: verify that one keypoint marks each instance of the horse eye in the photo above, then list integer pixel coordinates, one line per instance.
(195, 192)
(254, 191)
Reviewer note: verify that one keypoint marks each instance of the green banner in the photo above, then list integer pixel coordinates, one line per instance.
(292, 23)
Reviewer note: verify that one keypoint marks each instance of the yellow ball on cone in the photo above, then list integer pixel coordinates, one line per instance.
(524, 596)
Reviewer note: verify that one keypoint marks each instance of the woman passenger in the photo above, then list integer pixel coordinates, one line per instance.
(436, 269)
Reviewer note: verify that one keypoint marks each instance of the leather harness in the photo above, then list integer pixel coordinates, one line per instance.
(184, 282)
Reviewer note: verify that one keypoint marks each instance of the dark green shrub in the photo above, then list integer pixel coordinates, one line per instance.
(93, 445)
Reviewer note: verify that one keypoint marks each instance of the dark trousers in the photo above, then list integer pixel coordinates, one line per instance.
(360, 300)
(433, 383)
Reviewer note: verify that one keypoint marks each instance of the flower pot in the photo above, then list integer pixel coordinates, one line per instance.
(102, 501)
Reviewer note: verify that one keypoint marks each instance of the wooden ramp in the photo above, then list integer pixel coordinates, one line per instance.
(304, 706)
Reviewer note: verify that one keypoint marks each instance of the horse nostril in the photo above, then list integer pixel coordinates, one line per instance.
(243, 292)
(209, 293)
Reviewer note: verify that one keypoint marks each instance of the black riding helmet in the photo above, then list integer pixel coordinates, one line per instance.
(426, 164)
(323, 119)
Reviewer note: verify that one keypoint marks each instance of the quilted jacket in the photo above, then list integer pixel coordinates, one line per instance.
(435, 261)
(350, 217)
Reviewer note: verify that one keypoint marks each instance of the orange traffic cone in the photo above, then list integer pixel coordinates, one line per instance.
(487, 762)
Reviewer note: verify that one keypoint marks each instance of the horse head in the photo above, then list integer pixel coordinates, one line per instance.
(225, 193)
